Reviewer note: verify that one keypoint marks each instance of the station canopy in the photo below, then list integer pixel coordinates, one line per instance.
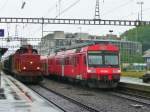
(3, 50)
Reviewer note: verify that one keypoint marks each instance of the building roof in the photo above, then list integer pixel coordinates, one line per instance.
(147, 54)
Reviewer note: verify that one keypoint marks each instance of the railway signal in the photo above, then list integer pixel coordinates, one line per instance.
(1, 32)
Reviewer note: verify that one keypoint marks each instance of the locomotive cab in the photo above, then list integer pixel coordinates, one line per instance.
(104, 64)
(25, 64)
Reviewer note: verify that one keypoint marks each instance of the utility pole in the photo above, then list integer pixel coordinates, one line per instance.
(141, 8)
(59, 8)
(42, 33)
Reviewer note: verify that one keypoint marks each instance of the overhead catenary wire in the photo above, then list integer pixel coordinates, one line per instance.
(68, 8)
(136, 13)
(23, 4)
(48, 11)
(62, 12)
(118, 7)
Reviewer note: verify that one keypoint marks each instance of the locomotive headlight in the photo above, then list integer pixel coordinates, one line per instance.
(38, 68)
(24, 68)
(116, 71)
(31, 62)
(91, 71)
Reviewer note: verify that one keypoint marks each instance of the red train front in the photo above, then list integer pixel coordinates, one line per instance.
(95, 65)
(102, 65)
(25, 64)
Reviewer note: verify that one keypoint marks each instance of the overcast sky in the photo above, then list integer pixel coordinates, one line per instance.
(109, 9)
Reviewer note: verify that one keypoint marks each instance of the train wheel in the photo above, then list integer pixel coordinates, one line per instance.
(71, 80)
(64, 79)
(91, 85)
(83, 83)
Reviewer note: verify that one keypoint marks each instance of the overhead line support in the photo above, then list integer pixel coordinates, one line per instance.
(73, 21)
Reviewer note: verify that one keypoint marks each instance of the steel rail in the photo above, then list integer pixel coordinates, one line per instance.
(132, 97)
(47, 99)
(71, 100)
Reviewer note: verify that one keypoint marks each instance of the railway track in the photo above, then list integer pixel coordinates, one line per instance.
(72, 105)
(132, 96)
(79, 106)
(139, 101)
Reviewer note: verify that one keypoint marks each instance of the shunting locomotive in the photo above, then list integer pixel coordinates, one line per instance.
(24, 64)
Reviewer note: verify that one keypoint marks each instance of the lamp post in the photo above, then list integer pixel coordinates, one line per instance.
(80, 29)
(110, 31)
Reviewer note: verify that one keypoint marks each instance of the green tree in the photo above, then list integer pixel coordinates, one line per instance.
(140, 34)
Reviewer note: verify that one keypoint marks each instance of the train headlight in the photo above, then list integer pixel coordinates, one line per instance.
(116, 71)
(24, 68)
(38, 68)
(31, 62)
(91, 71)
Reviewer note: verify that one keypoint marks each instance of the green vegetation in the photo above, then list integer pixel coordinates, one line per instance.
(130, 58)
(132, 74)
(140, 34)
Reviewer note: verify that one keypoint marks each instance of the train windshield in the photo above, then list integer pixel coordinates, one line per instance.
(111, 60)
(103, 59)
(95, 60)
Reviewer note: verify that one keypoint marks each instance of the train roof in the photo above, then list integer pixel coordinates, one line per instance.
(95, 47)
(109, 47)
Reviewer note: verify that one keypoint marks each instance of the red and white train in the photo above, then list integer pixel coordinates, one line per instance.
(95, 65)
(24, 64)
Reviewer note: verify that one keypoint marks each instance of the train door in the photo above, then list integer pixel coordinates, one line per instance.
(62, 67)
(46, 66)
(74, 66)
(79, 69)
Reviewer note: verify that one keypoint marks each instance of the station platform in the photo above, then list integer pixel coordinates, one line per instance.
(134, 83)
(16, 97)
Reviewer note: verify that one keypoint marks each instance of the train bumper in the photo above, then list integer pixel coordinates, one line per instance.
(110, 77)
(29, 73)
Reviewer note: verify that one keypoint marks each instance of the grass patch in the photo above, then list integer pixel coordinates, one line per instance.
(132, 74)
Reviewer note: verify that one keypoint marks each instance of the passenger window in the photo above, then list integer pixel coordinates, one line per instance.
(84, 59)
(74, 61)
(77, 60)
